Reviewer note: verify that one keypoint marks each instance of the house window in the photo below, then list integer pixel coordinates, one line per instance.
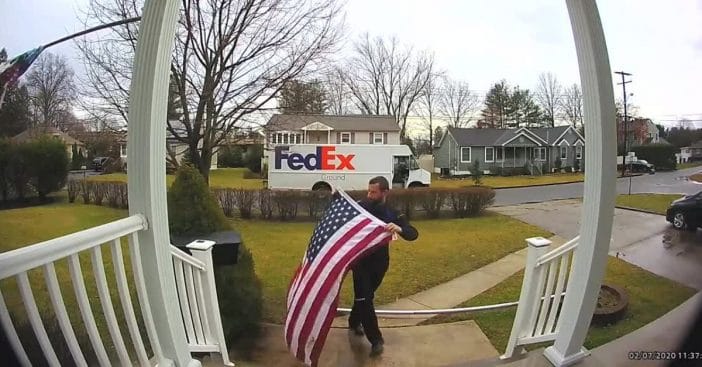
(540, 154)
(345, 138)
(123, 150)
(500, 154)
(579, 152)
(378, 138)
(465, 154)
(564, 152)
(489, 154)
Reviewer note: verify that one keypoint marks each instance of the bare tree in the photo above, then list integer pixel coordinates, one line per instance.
(336, 91)
(457, 102)
(385, 78)
(231, 58)
(548, 93)
(52, 91)
(572, 106)
(427, 106)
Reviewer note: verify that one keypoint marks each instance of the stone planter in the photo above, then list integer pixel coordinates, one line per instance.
(611, 306)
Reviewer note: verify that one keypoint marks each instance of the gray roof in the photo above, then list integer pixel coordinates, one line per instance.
(481, 137)
(551, 132)
(494, 137)
(336, 122)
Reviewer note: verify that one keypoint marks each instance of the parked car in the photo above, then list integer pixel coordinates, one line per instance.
(99, 163)
(686, 212)
(641, 165)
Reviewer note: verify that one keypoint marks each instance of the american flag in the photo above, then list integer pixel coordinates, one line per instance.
(345, 232)
(10, 71)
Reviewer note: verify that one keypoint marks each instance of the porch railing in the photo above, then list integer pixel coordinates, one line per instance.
(197, 297)
(46, 256)
(546, 277)
(52, 267)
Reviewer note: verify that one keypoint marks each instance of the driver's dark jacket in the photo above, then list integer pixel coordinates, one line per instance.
(379, 259)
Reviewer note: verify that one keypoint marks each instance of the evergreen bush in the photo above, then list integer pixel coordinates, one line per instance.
(193, 210)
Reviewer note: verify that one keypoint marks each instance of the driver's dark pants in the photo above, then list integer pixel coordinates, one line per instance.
(366, 280)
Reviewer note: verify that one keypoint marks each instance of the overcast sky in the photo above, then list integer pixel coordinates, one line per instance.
(481, 42)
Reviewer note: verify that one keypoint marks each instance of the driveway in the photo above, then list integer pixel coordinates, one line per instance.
(675, 182)
(643, 239)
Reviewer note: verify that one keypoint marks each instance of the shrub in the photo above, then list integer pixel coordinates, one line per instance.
(48, 164)
(226, 200)
(287, 203)
(253, 158)
(471, 201)
(73, 189)
(403, 201)
(76, 157)
(191, 207)
(477, 173)
(557, 164)
(265, 203)
(244, 200)
(317, 201)
(662, 156)
(115, 192)
(97, 191)
(576, 165)
(192, 210)
(5, 156)
(432, 200)
(85, 189)
(19, 170)
(230, 157)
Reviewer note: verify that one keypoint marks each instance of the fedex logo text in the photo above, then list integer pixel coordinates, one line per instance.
(323, 159)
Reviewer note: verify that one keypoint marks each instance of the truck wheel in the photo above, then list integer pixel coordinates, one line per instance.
(415, 185)
(321, 186)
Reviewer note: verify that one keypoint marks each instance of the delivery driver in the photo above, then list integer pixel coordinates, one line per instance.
(369, 271)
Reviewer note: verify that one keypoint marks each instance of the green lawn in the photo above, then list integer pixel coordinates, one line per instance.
(223, 177)
(445, 249)
(689, 165)
(500, 182)
(657, 203)
(650, 297)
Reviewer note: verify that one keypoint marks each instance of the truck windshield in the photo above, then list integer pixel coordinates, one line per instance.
(413, 164)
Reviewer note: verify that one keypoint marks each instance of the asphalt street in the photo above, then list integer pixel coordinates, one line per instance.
(675, 182)
(643, 239)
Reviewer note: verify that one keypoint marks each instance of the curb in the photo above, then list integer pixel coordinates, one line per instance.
(638, 210)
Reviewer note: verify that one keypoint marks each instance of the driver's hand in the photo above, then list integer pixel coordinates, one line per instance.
(394, 228)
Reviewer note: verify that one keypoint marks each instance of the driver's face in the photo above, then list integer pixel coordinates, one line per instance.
(375, 194)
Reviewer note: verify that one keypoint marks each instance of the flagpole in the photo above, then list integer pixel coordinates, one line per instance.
(90, 30)
(74, 35)
(2, 96)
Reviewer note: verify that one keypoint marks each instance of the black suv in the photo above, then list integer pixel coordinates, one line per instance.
(99, 163)
(686, 212)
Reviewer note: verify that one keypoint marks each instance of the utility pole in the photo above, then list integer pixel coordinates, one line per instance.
(626, 118)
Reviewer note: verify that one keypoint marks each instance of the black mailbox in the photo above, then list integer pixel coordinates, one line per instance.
(225, 250)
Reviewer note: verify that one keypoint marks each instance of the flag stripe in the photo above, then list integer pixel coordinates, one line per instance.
(296, 289)
(312, 305)
(322, 261)
(326, 306)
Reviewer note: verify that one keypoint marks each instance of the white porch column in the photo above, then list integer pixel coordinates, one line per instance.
(590, 257)
(147, 173)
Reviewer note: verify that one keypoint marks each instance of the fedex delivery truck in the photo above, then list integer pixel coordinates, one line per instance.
(349, 167)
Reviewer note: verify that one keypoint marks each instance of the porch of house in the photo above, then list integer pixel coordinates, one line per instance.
(158, 306)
